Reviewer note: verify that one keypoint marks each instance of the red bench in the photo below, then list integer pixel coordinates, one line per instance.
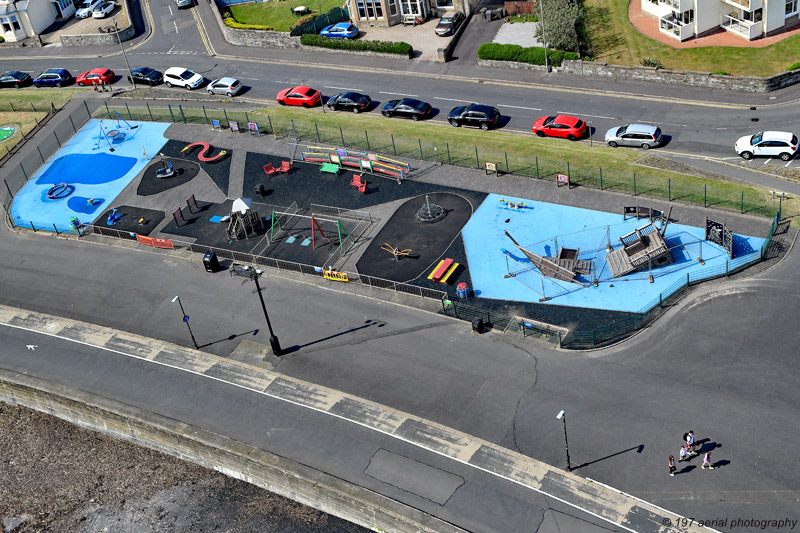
(440, 270)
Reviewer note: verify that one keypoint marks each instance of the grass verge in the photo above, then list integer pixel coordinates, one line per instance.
(279, 15)
(22, 99)
(25, 121)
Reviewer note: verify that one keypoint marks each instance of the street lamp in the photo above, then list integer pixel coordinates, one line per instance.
(563, 417)
(185, 319)
(544, 37)
(273, 340)
(116, 30)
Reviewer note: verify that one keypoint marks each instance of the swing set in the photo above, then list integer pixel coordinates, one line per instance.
(276, 226)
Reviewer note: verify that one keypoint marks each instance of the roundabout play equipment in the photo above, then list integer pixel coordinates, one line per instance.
(116, 136)
(60, 190)
(430, 212)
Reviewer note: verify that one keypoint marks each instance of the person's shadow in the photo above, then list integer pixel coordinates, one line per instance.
(686, 469)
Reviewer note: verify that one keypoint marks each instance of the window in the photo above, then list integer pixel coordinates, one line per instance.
(392, 8)
(444, 3)
(370, 9)
(15, 23)
(791, 7)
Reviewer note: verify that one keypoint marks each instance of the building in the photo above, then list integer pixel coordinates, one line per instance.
(28, 18)
(749, 19)
(366, 13)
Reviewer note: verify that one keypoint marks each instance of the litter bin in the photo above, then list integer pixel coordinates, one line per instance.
(462, 291)
(260, 190)
(477, 326)
(210, 262)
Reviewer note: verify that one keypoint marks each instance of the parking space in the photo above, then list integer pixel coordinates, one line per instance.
(76, 26)
(421, 37)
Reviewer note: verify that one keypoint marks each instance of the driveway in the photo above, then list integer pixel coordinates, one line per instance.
(421, 37)
(76, 26)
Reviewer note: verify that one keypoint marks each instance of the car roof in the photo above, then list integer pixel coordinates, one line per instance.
(641, 128)
(566, 120)
(98, 70)
(449, 14)
(57, 70)
(301, 89)
(341, 25)
(227, 81)
(176, 70)
(481, 108)
(777, 135)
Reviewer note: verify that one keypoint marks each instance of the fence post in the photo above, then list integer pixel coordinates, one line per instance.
(317, 128)
(180, 108)
(73, 124)
(634, 183)
(341, 134)
(507, 171)
(33, 108)
(204, 113)
(367, 138)
(569, 176)
(601, 178)
(57, 141)
(444, 309)
(171, 116)
(537, 167)
(394, 148)
(271, 128)
(742, 208)
(421, 156)
(130, 117)
(23, 172)
(107, 109)
(705, 195)
(40, 154)
(449, 162)
(669, 189)
(32, 226)
(56, 228)
(226, 115)
(84, 105)
(247, 118)
(12, 105)
(9, 190)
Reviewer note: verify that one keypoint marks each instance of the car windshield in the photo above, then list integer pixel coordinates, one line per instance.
(145, 71)
(447, 20)
(794, 140)
(186, 74)
(86, 5)
(549, 120)
(351, 96)
(755, 139)
(622, 130)
(310, 92)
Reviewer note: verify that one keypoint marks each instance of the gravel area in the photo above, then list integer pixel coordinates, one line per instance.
(58, 477)
(521, 33)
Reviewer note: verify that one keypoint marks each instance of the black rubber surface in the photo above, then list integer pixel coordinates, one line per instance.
(218, 171)
(427, 241)
(152, 184)
(130, 220)
(198, 226)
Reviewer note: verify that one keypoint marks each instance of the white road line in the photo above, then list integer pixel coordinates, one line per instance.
(401, 94)
(452, 99)
(582, 115)
(170, 10)
(768, 160)
(176, 26)
(790, 160)
(342, 88)
(249, 79)
(519, 107)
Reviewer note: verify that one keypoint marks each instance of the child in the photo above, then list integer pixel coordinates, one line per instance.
(690, 443)
(682, 454)
(672, 467)
(707, 462)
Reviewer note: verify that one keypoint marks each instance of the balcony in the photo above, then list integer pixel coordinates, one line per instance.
(675, 28)
(678, 5)
(747, 5)
(744, 28)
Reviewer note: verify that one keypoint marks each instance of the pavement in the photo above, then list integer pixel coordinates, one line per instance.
(421, 37)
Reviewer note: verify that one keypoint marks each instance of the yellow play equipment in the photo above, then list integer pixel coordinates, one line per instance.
(397, 253)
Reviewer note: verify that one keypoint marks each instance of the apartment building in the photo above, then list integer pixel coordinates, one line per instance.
(749, 19)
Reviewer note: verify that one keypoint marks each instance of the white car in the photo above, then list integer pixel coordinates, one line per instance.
(103, 9)
(182, 77)
(781, 144)
(86, 8)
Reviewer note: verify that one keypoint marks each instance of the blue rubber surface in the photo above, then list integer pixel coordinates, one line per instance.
(543, 228)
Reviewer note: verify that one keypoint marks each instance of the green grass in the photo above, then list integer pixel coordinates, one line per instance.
(277, 14)
(613, 39)
(22, 99)
(24, 120)
(523, 18)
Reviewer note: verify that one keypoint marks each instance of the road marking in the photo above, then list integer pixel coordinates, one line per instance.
(791, 159)
(249, 79)
(768, 160)
(342, 88)
(583, 115)
(170, 10)
(201, 28)
(176, 26)
(452, 99)
(32, 346)
(401, 94)
(519, 107)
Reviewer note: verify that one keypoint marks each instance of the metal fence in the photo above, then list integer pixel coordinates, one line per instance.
(315, 25)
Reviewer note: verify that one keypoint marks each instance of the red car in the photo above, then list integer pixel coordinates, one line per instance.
(300, 95)
(565, 126)
(97, 76)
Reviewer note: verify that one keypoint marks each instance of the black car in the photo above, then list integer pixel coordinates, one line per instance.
(476, 115)
(449, 23)
(15, 79)
(350, 101)
(146, 75)
(408, 108)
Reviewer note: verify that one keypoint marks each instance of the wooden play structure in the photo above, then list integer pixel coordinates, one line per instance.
(641, 249)
(443, 270)
(565, 267)
(243, 221)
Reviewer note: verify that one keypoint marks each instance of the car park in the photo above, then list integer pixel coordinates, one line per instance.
(182, 77)
(183, 3)
(97, 76)
(53, 77)
(350, 101)
(564, 126)
(642, 135)
(226, 86)
(449, 23)
(103, 9)
(299, 95)
(85, 9)
(15, 79)
(407, 108)
(342, 30)
(781, 144)
(476, 115)
(146, 75)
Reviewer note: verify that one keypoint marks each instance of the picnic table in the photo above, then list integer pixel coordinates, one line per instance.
(330, 168)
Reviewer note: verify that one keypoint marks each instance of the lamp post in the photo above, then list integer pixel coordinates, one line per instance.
(116, 30)
(273, 340)
(563, 417)
(185, 319)
(544, 37)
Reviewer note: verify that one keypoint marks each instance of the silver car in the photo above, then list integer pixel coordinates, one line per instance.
(642, 135)
(226, 86)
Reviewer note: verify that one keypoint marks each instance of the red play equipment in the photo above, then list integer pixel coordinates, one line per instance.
(359, 183)
(206, 148)
(269, 169)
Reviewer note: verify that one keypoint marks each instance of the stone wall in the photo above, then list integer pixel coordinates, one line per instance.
(102, 39)
(260, 38)
(354, 52)
(275, 473)
(511, 64)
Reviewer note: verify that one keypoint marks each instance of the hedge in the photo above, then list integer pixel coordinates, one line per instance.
(388, 47)
(227, 18)
(514, 52)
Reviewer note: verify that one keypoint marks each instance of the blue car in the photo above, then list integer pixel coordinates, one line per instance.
(53, 77)
(342, 30)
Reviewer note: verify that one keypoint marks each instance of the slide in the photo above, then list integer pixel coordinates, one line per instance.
(206, 148)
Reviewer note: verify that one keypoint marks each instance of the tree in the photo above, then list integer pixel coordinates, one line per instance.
(559, 20)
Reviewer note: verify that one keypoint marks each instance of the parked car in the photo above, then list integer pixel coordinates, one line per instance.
(643, 135)
(85, 9)
(408, 108)
(100, 12)
(15, 79)
(182, 77)
(342, 30)
(226, 86)
(782, 144)
(565, 126)
(183, 3)
(97, 76)
(350, 101)
(146, 75)
(449, 23)
(476, 115)
(53, 77)
(300, 95)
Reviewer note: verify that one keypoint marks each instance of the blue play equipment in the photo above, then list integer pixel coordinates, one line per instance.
(60, 190)
(113, 216)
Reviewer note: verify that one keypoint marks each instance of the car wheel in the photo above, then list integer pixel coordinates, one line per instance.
(454, 123)
(81, 84)
(386, 114)
(485, 127)
(356, 110)
(229, 93)
(415, 117)
(747, 155)
(187, 87)
(168, 84)
(210, 91)
(16, 85)
(58, 85)
(572, 137)
(281, 102)
(785, 156)
(645, 146)
(305, 104)
(613, 144)
(36, 85)
(540, 133)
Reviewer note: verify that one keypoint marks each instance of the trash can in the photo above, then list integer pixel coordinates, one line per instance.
(260, 190)
(210, 262)
(477, 326)
(462, 291)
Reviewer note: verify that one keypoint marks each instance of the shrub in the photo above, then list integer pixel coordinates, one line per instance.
(533, 55)
(793, 66)
(389, 47)
(2, 40)
(652, 62)
(561, 18)
(523, 18)
(721, 73)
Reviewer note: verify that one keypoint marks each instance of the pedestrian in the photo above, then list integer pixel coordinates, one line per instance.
(690, 445)
(682, 454)
(672, 467)
(707, 461)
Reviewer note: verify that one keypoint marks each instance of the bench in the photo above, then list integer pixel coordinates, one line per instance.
(330, 168)
(412, 19)
(442, 270)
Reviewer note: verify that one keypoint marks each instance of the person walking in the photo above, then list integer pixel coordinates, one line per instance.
(690, 445)
(682, 456)
(672, 467)
(707, 461)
